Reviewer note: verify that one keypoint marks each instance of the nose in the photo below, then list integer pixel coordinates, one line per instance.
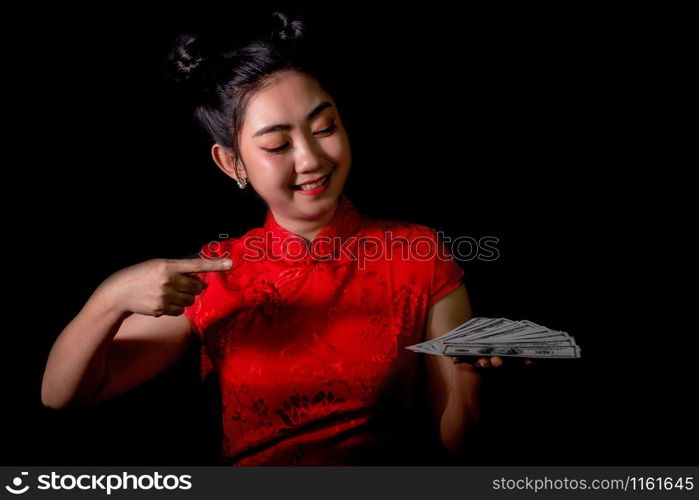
(310, 157)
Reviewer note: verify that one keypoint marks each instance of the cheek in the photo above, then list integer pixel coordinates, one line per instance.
(270, 170)
(338, 149)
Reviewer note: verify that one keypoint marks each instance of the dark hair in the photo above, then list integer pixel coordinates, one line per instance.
(221, 82)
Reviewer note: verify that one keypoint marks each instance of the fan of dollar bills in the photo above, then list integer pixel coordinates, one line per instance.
(501, 337)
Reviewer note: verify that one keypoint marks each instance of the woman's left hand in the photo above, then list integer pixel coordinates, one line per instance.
(487, 362)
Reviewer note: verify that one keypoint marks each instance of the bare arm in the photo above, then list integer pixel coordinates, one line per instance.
(130, 329)
(102, 354)
(454, 383)
(76, 363)
(144, 347)
(454, 388)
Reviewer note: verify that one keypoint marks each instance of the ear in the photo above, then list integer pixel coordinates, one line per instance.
(223, 157)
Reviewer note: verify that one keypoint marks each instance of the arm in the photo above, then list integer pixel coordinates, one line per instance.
(454, 388)
(103, 353)
(144, 347)
(130, 329)
(76, 364)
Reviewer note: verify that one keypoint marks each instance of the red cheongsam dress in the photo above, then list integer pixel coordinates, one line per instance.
(308, 340)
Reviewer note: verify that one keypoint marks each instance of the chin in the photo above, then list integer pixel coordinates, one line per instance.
(317, 208)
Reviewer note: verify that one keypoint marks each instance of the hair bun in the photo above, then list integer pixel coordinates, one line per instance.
(285, 28)
(187, 60)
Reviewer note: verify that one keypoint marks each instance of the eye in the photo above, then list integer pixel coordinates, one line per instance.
(284, 146)
(277, 150)
(327, 130)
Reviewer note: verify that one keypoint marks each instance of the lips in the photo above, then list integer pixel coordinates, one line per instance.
(309, 182)
(323, 179)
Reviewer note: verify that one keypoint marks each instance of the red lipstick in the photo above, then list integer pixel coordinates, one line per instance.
(316, 190)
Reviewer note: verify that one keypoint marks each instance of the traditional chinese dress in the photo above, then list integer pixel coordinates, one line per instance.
(307, 340)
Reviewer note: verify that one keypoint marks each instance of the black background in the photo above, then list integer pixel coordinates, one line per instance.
(527, 125)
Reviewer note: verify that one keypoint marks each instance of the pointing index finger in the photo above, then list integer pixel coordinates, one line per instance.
(202, 265)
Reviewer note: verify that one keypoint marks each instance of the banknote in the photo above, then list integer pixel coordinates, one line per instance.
(501, 337)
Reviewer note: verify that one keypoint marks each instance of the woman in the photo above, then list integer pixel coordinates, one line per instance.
(304, 320)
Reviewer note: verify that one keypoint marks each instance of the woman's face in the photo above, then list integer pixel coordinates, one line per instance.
(292, 134)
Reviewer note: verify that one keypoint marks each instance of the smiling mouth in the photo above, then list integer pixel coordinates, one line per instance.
(318, 183)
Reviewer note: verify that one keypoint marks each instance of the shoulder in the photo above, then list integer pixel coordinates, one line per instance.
(417, 248)
(402, 228)
(414, 251)
(418, 238)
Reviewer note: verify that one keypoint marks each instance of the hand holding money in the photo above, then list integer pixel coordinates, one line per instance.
(485, 362)
(485, 337)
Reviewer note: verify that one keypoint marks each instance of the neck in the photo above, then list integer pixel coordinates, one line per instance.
(306, 229)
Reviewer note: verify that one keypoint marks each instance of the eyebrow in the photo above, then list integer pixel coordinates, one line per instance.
(285, 126)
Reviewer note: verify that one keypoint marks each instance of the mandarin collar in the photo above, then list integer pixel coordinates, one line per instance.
(345, 222)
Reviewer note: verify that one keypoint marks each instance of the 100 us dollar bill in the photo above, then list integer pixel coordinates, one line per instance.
(541, 351)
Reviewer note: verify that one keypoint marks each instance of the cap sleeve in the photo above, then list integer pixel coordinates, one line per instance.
(193, 314)
(447, 273)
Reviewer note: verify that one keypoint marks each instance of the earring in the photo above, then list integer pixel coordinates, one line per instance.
(242, 182)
